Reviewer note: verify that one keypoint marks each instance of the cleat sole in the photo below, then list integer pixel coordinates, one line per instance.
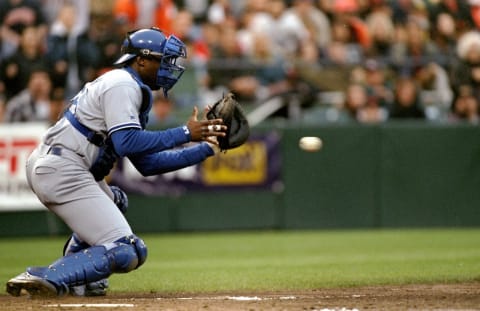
(33, 285)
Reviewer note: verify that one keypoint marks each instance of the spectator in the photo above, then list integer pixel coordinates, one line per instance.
(343, 50)
(188, 93)
(272, 24)
(2, 108)
(107, 33)
(465, 107)
(83, 9)
(348, 13)
(314, 21)
(350, 36)
(444, 34)
(145, 13)
(219, 11)
(126, 12)
(377, 79)
(382, 32)
(307, 67)
(230, 69)
(356, 98)
(72, 56)
(466, 70)
(15, 70)
(400, 10)
(248, 46)
(406, 103)
(198, 8)
(460, 10)
(436, 94)
(33, 103)
(211, 35)
(290, 29)
(184, 28)
(164, 13)
(253, 21)
(162, 113)
(58, 104)
(416, 46)
(270, 69)
(359, 106)
(15, 16)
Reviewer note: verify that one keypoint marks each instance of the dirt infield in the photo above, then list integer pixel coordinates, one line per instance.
(408, 297)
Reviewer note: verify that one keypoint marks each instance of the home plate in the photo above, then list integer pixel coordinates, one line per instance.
(91, 305)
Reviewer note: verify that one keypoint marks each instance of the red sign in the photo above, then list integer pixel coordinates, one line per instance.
(17, 141)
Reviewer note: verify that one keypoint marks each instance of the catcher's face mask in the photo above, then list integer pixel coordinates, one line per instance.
(153, 43)
(169, 72)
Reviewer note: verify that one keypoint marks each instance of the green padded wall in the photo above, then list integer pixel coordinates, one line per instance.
(391, 175)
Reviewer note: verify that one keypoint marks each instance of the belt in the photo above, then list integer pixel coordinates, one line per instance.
(55, 151)
(60, 151)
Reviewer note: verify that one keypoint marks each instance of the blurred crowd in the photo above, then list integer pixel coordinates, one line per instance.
(365, 61)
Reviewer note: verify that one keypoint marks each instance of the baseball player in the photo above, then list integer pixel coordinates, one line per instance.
(106, 121)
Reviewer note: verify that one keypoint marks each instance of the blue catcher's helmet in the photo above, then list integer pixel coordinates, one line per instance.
(153, 42)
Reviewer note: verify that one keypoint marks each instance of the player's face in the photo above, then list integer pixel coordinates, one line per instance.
(149, 76)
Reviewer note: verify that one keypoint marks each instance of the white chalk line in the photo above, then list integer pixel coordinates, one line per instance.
(256, 298)
(249, 298)
(236, 298)
(90, 305)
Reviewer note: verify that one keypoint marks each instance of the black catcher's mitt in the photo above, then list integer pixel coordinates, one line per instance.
(228, 109)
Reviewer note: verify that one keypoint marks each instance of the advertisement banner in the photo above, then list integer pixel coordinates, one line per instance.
(254, 165)
(17, 141)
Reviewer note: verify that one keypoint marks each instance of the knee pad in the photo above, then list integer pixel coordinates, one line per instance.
(128, 254)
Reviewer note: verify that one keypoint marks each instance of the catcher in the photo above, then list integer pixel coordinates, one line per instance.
(106, 121)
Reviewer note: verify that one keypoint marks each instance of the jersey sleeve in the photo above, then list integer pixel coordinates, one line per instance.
(129, 142)
(171, 160)
(121, 105)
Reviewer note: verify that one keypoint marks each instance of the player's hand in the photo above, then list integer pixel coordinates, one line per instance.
(205, 130)
(120, 198)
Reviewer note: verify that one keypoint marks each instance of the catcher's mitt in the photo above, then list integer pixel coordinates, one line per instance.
(228, 109)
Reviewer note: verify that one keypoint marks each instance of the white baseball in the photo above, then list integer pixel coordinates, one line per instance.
(310, 143)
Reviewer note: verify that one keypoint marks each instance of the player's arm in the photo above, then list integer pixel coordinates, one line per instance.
(171, 160)
(134, 141)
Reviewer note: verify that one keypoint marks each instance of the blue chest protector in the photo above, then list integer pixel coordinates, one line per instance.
(146, 98)
(107, 157)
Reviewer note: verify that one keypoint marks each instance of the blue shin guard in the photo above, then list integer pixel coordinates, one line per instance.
(99, 288)
(93, 264)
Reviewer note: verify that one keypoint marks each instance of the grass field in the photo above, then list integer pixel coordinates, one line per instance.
(272, 261)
